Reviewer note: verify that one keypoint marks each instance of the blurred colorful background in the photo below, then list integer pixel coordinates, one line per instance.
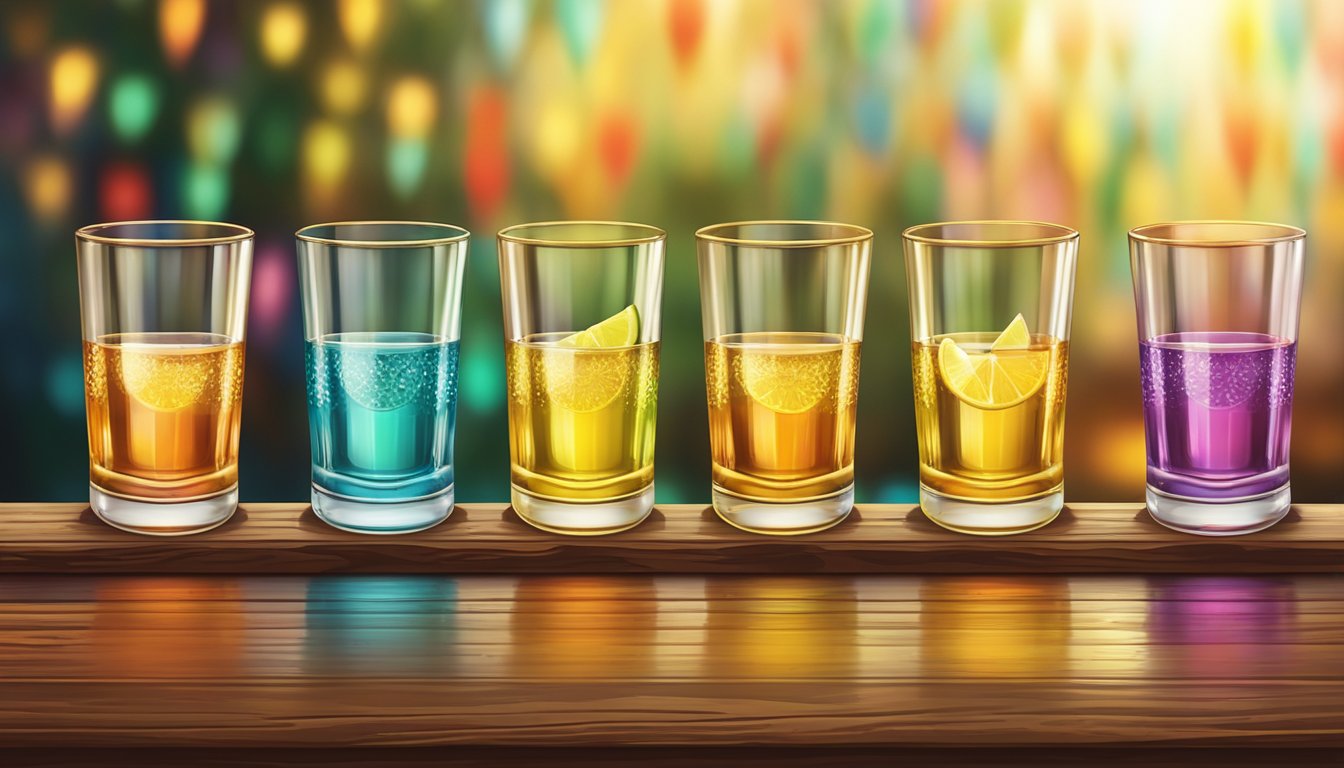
(680, 113)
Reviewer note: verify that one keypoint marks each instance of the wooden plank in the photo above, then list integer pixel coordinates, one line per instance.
(1014, 663)
(489, 538)
(673, 757)
(727, 629)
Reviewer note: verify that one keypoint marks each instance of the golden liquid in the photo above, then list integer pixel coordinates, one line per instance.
(163, 412)
(781, 414)
(985, 454)
(581, 421)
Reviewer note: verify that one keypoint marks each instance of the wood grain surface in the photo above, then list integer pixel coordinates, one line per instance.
(846, 662)
(690, 539)
(457, 756)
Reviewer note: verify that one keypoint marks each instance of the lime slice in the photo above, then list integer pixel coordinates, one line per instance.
(1015, 336)
(619, 330)
(788, 383)
(1005, 375)
(167, 380)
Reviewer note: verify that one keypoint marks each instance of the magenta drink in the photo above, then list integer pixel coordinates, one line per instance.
(1217, 407)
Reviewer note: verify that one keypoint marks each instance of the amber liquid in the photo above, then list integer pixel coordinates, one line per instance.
(1006, 454)
(163, 412)
(581, 421)
(781, 414)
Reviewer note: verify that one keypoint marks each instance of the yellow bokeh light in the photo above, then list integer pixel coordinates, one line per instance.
(48, 186)
(412, 106)
(213, 130)
(1084, 141)
(326, 154)
(360, 21)
(283, 31)
(74, 76)
(180, 23)
(343, 87)
(557, 139)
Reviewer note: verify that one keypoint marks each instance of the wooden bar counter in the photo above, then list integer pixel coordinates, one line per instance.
(274, 640)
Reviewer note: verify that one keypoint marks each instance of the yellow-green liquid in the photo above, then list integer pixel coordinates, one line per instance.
(994, 455)
(581, 421)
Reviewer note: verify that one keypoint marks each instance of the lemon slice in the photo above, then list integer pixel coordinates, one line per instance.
(587, 371)
(1015, 336)
(619, 330)
(584, 381)
(165, 381)
(788, 383)
(1006, 375)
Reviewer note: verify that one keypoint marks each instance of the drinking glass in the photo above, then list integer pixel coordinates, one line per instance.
(163, 307)
(382, 307)
(582, 316)
(1218, 309)
(990, 305)
(782, 304)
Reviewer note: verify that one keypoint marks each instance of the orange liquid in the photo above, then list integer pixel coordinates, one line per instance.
(781, 414)
(163, 413)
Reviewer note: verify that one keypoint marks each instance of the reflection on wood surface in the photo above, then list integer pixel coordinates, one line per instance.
(582, 627)
(1219, 624)
(994, 627)
(688, 660)
(391, 625)
(780, 627)
(153, 626)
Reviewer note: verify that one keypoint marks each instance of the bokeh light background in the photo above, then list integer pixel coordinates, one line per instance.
(679, 113)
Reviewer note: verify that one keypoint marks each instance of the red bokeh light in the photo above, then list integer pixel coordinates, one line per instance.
(125, 193)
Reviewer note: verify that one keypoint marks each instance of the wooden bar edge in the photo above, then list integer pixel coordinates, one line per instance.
(688, 539)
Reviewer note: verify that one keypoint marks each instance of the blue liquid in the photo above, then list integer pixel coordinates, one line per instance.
(381, 411)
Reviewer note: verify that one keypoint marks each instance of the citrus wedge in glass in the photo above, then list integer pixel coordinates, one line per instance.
(1006, 374)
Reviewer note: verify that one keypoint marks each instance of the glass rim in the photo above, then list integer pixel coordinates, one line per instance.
(1287, 233)
(459, 234)
(92, 233)
(858, 234)
(1065, 234)
(511, 234)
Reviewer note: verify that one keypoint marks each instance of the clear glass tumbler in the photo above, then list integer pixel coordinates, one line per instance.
(782, 304)
(990, 306)
(382, 305)
(582, 321)
(163, 307)
(1218, 309)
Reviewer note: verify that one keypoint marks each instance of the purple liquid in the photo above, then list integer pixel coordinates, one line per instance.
(1217, 409)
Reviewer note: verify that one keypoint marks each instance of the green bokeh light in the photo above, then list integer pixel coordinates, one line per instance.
(406, 162)
(205, 191)
(133, 104)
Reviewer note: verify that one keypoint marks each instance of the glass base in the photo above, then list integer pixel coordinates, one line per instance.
(991, 518)
(360, 516)
(579, 519)
(165, 518)
(1231, 517)
(783, 518)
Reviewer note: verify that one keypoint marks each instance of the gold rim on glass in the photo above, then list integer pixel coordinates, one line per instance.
(856, 234)
(1062, 234)
(514, 234)
(1154, 233)
(458, 234)
(92, 233)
